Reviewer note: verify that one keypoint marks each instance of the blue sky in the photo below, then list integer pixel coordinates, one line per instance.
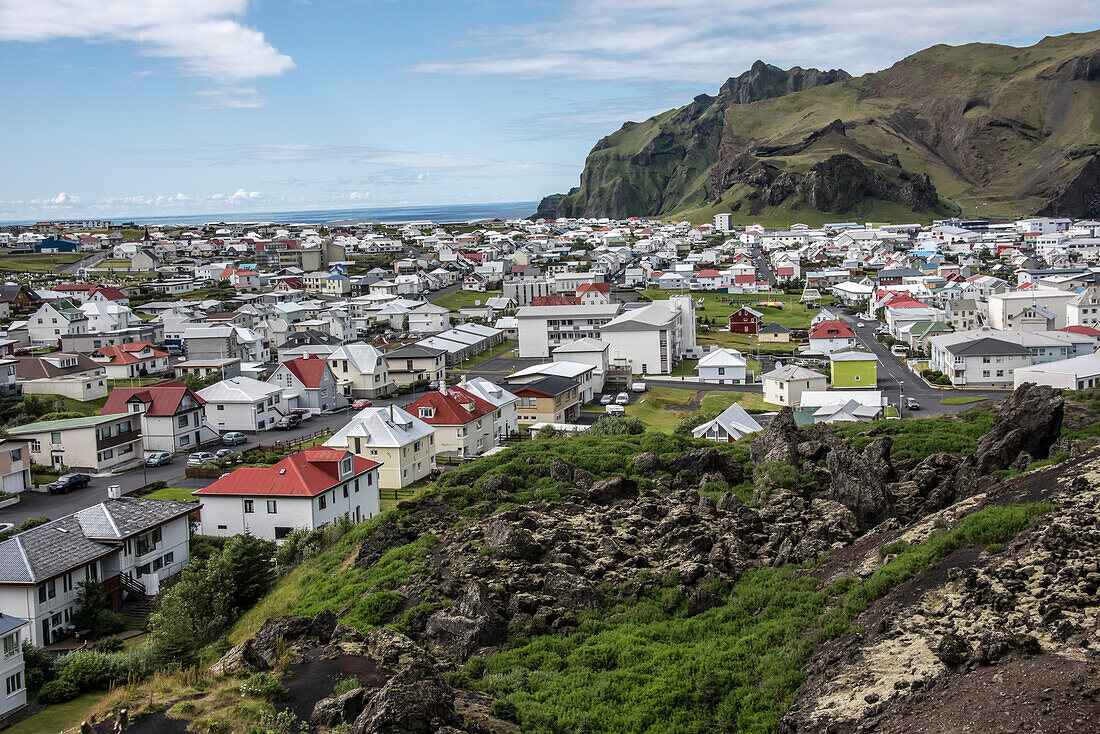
(143, 107)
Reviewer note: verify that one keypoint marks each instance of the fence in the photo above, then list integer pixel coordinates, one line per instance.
(396, 494)
(294, 444)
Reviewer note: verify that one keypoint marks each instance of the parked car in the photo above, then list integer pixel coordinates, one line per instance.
(222, 453)
(639, 387)
(68, 482)
(607, 399)
(912, 404)
(199, 458)
(158, 458)
(288, 421)
(6, 526)
(233, 438)
(433, 385)
(859, 325)
(362, 403)
(622, 399)
(615, 410)
(303, 413)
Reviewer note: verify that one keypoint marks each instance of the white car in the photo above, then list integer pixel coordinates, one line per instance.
(859, 325)
(622, 399)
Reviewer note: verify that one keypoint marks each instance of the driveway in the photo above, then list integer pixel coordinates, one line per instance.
(36, 504)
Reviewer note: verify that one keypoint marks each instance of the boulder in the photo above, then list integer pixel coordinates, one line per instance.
(953, 650)
(575, 592)
(562, 471)
(513, 542)
(241, 659)
(415, 701)
(612, 490)
(779, 442)
(265, 642)
(394, 650)
(1028, 420)
(699, 462)
(647, 463)
(500, 487)
(858, 486)
(471, 624)
(342, 709)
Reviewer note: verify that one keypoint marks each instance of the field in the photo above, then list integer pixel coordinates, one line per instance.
(664, 407)
(743, 342)
(59, 717)
(37, 263)
(717, 307)
(176, 494)
(962, 400)
(114, 264)
(460, 299)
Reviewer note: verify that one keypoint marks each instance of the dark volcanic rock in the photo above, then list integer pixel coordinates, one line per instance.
(707, 460)
(778, 443)
(415, 701)
(612, 490)
(342, 709)
(953, 650)
(471, 624)
(860, 485)
(513, 542)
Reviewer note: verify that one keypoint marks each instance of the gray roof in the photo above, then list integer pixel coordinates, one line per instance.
(550, 385)
(9, 623)
(118, 519)
(413, 351)
(773, 327)
(988, 346)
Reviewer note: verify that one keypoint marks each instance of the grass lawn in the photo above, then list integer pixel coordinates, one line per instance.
(963, 400)
(89, 407)
(114, 264)
(718, 306)
(498, 350)
(743, 342)
(460, 298)
(654, 408)
(58, 717)
(37, 263)
(177, 494)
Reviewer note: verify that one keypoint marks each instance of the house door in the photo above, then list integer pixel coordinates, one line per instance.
(58, 460)
(45, 631)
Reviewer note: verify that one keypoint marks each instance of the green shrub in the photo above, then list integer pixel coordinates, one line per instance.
(86, 669)
(57, 691)
(108, 644)
(264, 686)
(38, 666)
(345, 685)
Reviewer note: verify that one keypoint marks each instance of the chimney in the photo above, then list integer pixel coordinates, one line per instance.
(462, 383)
(114, 492)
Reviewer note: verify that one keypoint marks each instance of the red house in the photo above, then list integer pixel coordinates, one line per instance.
(745, 321)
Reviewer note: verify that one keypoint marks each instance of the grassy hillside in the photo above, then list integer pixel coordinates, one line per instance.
(999, 131)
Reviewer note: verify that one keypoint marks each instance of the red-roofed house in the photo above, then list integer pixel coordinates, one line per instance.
(463, 422)
(709, 280)
(307, 382)
(131, 360)
(594, 294)
(831, 335)
(555, 301)
(172, 417)
(305, 490)
(1082, 330)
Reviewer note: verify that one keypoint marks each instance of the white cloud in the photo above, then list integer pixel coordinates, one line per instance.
(203, 36)
(243, 194)
(230, 98)
(359, 195)
(64, 198)
(701, 42)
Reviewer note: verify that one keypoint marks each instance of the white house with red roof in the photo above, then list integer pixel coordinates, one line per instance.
(464, 423)
(710, 279)
(131, 360)
(594, 294)
(831, 335)
(172, 417)
(305, 490)
(308, 382)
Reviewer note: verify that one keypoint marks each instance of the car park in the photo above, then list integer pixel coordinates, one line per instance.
(68, 482)
(361, 403)
(233, 438)
(607, 399)
(158, 458)
(222, 453)
(622, 399)
(199, 458)
(288, 421)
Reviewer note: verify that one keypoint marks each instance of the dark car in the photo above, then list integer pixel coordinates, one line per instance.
(68, 482)
(291, 420)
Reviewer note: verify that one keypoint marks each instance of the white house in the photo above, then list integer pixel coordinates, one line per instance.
(404, 445)
(361, 371)
(465, 425)
(305, 490)
(652, 338)
(785, 385)
(172, 417)
(307, 382)
(507, 422)
(13, 631)
(722, 366)
(55, 319)
(728, 426)
(242, 404)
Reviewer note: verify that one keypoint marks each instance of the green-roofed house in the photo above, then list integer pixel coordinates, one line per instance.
(922, 331)
(851, 368)
(96, 444)
(55, 319)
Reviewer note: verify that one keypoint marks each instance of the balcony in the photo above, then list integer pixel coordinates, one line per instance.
(119, 440)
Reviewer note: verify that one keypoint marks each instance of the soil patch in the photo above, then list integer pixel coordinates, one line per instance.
(314, 677)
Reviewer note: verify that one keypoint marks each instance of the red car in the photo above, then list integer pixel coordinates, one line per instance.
(362, 403)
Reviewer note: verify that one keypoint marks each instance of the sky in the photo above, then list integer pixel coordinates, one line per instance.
(145, 107)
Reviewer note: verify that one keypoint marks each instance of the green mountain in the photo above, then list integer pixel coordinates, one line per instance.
(980, 129)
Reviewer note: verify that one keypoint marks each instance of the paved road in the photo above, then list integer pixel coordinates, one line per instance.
(36, 504)
(89, 262)
(763, 267)
(896, 380)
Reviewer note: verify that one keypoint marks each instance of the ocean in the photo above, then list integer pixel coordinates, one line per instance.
(438, 213)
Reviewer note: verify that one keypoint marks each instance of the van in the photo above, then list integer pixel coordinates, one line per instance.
(615, 410)
(899, 350)
(638, 387)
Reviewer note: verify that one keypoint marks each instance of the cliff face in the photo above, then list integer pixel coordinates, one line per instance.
(995, 130)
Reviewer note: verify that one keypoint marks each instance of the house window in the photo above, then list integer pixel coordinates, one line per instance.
(14, 683)
(346, 488)
(272, 507)
(36, 447)
(148, 541)
(321, 502)
(16, 455)
(181, 421)
(346, 465)
(169, 558)
(55, 438)
(11, 645)
(248, 506)
(281, 532)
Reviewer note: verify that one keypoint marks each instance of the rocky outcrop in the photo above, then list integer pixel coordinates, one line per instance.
(342, 709)
(471, 624)
(779, 443)
(415, 701)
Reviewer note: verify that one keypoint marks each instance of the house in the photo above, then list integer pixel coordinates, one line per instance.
(587, 351)
(9, 384)
(415, 363)
(839, 406)
(242, 404)
(145, 260)
(402, 444)
(15, 466)
(306, 490)
(22, 300)
(171, 414)
(722, 366)
(203, 368)
(745, 320)
(542, 328)
(127, 544)
(785, 385)
(853, 369)
(1076, 373)
(594, 294)
(989, 356)
(829, 336)
(13, 632)
(361, 371)
(55, 319)
(728, 426)
(773, 333)
(464, 423)
(97, 443)
(1084, 309)
(428, 318)
(507, 421)
(224, 342)
(652, 338)
(70, 375)
(308, 382)
(582, 373)
(550, 399)
(963, 314)
(131, 360)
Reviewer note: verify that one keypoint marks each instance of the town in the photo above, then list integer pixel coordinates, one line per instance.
(165, 383)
